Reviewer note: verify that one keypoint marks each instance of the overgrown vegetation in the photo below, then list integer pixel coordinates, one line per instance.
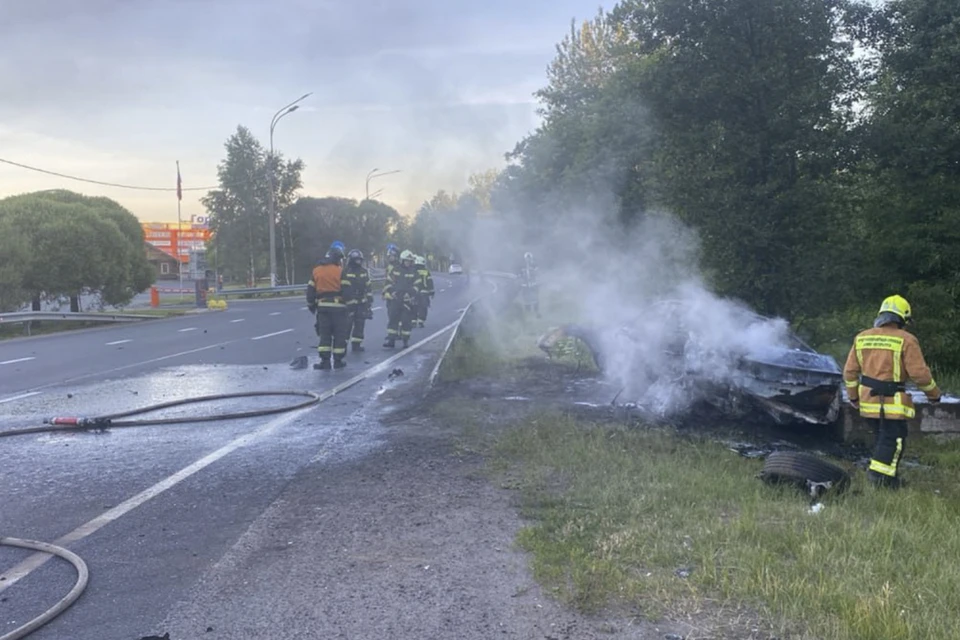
(627, 517)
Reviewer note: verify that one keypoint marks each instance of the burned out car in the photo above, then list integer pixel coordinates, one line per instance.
(686, 352)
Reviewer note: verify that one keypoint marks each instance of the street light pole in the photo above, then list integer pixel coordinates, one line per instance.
(290, 108)
(373, 174)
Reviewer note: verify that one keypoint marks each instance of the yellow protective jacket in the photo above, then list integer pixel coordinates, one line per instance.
(426, 281)
(887, 354)
(391, 280)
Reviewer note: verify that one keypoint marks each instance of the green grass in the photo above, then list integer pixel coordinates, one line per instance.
(489, 341)
(615, 513)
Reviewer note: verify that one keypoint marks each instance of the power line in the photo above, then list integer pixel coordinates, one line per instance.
(114, 184)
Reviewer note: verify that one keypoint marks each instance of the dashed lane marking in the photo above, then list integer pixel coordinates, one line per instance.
(270, 335)
(18, 360)
(20, 397)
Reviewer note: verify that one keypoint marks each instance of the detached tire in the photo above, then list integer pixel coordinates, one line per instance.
(798, 468)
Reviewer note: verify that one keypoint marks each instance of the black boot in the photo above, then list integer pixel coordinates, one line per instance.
(390, 343)
(356, 347)
(406, 343)
(339, 363)
(323, 365)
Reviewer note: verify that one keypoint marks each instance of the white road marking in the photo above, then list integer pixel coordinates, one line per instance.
(136, 364)
(276, 313)
(187, 329)
(20, 397)
(18, 360)
(34, 562)
(237, 320)
(376, 309)
(110, 344)
(270, 335)
(22, 570)
(304, 308)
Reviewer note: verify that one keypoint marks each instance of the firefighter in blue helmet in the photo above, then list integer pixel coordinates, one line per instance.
(325, 299)
(358, 296)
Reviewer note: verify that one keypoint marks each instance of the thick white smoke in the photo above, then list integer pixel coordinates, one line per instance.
(664, 336)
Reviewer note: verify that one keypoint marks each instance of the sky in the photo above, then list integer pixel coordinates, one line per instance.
(120, 90)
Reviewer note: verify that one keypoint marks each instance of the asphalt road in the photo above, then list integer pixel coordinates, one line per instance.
(248, 332)
(152, 509)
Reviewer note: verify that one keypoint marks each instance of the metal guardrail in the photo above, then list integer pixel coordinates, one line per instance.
(31, 316)
(376, 275)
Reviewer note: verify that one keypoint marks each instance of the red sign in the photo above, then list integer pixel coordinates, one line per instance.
(176, 240)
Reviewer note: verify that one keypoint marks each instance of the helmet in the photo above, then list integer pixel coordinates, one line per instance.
(406, 255)
(898, 306)
(355, 255)
(337, 249)
(528, 256)
(392, 249)
(420, 260)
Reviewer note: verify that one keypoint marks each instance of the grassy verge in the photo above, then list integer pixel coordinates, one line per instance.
(645, 519)
(45, 327)
(491, 339)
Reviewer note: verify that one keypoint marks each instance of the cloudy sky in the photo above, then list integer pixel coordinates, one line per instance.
(119, 90)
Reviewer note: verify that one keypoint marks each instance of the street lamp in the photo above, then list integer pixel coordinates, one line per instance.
(373, 174)
(290, 108)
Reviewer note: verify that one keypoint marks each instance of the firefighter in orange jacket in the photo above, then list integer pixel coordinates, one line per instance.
(325, 300)
(880, 362)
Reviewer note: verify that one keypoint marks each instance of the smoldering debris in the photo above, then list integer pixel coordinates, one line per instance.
(760, 367)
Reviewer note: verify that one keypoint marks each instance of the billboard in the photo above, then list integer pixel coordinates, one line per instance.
(177, 240)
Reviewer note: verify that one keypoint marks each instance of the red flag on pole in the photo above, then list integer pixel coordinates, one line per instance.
(179, 183)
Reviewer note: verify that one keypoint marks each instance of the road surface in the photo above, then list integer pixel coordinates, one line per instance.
(152, 509)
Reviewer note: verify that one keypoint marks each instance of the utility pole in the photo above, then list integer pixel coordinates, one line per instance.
(290, 108)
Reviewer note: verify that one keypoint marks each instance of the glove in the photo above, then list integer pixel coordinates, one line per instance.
(936, 400)
(855, 404)
(369, 314)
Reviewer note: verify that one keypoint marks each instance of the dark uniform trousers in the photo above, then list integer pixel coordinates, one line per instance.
(333, 328)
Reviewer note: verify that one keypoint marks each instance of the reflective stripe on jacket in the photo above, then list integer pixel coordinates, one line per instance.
(356, 288)
(888, 354)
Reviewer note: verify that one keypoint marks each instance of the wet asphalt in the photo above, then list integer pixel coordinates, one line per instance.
(145, 557)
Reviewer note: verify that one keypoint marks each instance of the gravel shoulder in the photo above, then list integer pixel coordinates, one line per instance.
(410, 540)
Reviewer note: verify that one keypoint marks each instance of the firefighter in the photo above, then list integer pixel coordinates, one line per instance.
(426, 290)
(402, 292)
(881, 361)
(393, 263)
(325, 300)
(358, 297)
(529, 287)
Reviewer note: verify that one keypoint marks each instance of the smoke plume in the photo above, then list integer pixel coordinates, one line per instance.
(664, 336)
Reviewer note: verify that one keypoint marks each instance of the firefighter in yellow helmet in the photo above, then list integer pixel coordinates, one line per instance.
(403, 293)
(881, 361)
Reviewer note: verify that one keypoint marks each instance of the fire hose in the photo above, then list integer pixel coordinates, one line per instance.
(124, 420)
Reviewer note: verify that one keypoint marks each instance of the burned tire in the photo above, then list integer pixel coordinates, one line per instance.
(798, 468)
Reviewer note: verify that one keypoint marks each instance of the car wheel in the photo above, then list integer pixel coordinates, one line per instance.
(805, 470)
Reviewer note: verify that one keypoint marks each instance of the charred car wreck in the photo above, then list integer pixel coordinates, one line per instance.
(667, 371)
